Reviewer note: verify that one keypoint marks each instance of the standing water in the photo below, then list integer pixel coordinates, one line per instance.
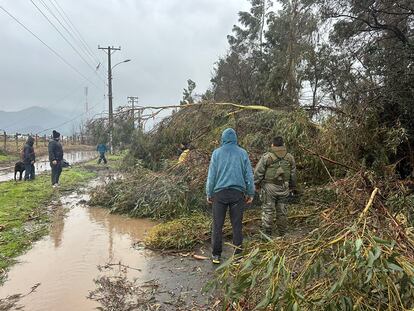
(65, 262)
(42, 163)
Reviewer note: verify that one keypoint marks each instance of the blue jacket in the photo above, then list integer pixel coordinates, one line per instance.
(101, 148)
(230, 167)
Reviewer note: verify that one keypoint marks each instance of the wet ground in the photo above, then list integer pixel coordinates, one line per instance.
(63, 265)
(42, 163)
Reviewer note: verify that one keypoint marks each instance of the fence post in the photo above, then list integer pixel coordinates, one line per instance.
(44, 140)
(36, 138)
(5, 141)
(17, 144)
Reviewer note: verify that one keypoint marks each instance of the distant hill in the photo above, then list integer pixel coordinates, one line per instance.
(34, 120)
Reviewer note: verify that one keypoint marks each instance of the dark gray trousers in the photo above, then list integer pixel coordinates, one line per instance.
(102, 157)
(232, 200)
(56, 170)
(29, 172)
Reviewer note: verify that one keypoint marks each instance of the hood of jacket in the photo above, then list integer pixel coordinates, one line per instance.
(30, 141)
(229, 136)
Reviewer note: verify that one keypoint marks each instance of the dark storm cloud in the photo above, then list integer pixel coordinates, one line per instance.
(168, 41)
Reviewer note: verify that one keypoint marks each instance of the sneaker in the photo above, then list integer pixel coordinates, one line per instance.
(55, 185)
(215, 259)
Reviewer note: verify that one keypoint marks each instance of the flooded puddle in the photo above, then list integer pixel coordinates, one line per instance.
(65, 262)
(42, 163)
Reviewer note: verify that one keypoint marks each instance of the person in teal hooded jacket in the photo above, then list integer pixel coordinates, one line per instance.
(101, 148)
(230, 184)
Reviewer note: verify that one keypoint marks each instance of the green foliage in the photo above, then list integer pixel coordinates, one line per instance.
(342, 253)
(188, 93)
(148, 194)
(355, 259)
(123, 130)
(362, 70)
(98, 132)
(179, 234)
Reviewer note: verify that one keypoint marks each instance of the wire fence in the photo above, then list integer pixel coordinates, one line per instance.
(13, 142)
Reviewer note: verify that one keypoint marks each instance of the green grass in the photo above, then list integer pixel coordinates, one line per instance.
(7, 158)
(23, 211)
(114, 161)
(179, 234)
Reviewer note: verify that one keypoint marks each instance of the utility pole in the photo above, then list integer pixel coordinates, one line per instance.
(86, 103)
(109, 51)
(132, 100)
(140, 124)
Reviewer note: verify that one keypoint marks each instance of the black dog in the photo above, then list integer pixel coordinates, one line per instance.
(19, 167)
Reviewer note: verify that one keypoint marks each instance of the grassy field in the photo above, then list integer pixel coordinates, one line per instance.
(23, 211)
(114, 162)
(7, 158)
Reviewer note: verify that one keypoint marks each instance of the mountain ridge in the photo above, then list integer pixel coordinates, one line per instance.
(35, 119)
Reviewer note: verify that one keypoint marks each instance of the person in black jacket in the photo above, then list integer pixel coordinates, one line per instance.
(55, 158)
(29, 159)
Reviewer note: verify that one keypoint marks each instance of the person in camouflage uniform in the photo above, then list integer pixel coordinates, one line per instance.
(275, 176)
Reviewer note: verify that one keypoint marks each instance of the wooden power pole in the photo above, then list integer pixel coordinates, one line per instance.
(109, 51)
(132, 100)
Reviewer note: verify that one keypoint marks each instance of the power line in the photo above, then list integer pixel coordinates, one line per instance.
(72, 32)
(67, 41)
(68, 95)
(48, 47)
(72, 25)
(76, 40)
(71, 120)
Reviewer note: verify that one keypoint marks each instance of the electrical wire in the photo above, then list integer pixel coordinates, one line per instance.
(72, 25)
(68, 95)
(63, 36)
(48, 47)
(76, 40)
(70, 30)
(71, 120)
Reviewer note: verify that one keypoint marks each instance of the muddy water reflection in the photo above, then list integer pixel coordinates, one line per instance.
(42, 163)
(65, 261)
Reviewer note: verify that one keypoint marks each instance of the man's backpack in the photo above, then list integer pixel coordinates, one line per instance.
(278, 169)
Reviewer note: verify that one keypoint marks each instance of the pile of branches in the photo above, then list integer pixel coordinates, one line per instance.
(358, 253)
(359, 257)
(118, 292)
(174, 192)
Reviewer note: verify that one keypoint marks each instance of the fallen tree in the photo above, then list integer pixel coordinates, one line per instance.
(351, 242)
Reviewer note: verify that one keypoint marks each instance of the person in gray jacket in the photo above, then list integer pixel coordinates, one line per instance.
(29, 159)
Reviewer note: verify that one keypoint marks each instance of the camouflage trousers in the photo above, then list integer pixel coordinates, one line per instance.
(274, 209)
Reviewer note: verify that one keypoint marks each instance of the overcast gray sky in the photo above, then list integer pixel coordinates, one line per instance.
(168, 42)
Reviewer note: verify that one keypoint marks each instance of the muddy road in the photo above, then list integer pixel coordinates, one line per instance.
(42, 164)
(65, 263)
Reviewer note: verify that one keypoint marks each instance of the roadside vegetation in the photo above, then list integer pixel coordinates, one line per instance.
(334, 78)
(351, 237)
(6, 158)
(25, 213)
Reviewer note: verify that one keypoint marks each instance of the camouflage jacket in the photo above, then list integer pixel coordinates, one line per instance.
(268, 159)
